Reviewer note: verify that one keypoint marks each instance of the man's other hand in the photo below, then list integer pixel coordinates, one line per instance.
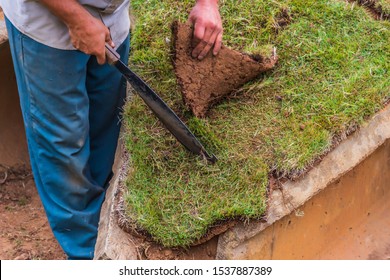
(208, 30)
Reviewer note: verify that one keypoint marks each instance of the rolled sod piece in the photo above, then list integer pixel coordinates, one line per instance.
(205, 82)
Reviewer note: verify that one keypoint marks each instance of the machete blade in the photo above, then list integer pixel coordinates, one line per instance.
(162, 111)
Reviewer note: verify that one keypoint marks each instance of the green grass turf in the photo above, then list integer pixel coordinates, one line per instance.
(333, 73)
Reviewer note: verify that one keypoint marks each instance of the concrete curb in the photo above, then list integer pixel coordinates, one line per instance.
(112, 242)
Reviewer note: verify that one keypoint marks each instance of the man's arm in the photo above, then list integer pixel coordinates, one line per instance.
(207, 28)
(87, 33)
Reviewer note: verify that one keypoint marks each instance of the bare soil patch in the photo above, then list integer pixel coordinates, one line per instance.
(24, 230)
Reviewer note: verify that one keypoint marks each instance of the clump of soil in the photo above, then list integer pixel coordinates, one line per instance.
(205, 82)
(24, 229)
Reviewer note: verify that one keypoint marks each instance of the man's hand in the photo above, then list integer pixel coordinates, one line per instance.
(87, 33)
(207, 28)
(89, 36)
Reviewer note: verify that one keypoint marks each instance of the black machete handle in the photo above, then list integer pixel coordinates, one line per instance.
(111, 55)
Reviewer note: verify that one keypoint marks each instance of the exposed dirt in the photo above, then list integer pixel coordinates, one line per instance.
(373, 9)
(148, 250)
(204, 83)
(24, 230)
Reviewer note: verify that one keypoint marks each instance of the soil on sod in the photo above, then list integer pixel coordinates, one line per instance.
(206, 82)
(332, 74)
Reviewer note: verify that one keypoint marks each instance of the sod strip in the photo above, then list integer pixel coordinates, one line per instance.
(332, 74)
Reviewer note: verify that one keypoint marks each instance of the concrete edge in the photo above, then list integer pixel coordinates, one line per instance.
(111, 238)
(294, 194)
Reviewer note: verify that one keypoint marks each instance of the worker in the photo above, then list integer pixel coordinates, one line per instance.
(71, 101)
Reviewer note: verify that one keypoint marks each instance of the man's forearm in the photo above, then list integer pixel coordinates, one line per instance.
(88, 34)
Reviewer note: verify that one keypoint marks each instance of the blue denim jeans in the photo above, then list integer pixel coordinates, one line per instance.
(71, 108)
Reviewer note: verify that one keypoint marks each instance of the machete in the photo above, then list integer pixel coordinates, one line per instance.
(165, 114)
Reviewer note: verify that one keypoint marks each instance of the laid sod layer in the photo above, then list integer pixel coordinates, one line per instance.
(332, 74)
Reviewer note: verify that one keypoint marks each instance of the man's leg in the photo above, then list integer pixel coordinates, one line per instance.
(55, 106)
(107, 92)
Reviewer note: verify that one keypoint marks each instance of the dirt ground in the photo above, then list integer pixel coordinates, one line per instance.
(25, 233)
(24, 230)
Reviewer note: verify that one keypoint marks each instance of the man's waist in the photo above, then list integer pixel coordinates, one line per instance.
(103, 6)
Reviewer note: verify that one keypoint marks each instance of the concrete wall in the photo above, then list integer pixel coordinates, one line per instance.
(338, 210)
(13, 146)
(347, 220)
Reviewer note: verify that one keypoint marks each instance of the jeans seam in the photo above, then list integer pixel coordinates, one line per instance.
(31, 118)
